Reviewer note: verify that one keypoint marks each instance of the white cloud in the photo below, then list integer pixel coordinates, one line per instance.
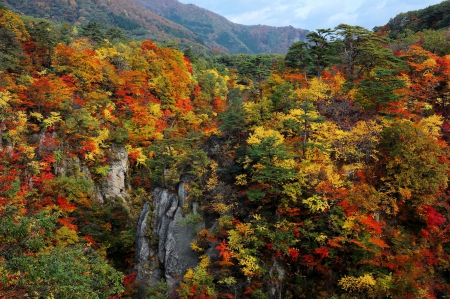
(251, 17)
(311, 14)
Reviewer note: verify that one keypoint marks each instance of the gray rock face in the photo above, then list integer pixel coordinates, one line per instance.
(276, 284)
(147, 265)
(142, 245)
(167, 252)
(115, 183)
(182, 194)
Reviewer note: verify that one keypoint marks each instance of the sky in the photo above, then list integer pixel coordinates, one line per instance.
(311, 14)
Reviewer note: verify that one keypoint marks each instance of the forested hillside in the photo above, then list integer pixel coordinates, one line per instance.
(137, 21)
(165, 20)
(220, 33)
(435, 17)
(322, 173)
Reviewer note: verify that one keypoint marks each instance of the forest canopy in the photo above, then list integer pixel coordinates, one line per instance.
(323, 173)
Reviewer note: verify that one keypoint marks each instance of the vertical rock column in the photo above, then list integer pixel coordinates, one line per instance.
(165, 251)
(147, 265)
(115, 183)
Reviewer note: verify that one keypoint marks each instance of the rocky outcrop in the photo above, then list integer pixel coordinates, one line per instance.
(163, 238)
(115, 183)
(276, 285)
(147, 264)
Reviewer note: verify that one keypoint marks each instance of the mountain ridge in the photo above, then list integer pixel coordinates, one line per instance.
(163, 20)
(433, 17)
(219, 32)
(119, 13)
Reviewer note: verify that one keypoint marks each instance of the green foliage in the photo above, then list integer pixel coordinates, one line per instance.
(432, 17)
(99, 34)
(298, 56)
(124, 23)
(81, 121)
(264, 157)
(258, 294)
(73, 187)
(94, 31)
(435, 41)
(255, 195)
(191, 219)
(114, 34)
(102, 170)
(322, 50)
(159, 291)
(119, 135)
(69, 272)
(362, 51)
(256, 68)
(233, 118)
(24, 234)
(379, 90)
(413, 161)
(111, 227)
(198, 282)
(11, 51)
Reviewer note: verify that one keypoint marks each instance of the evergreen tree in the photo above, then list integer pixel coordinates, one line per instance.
(94, 31)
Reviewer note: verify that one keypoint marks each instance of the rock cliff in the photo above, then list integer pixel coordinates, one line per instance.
(115, 183)
(163, 238)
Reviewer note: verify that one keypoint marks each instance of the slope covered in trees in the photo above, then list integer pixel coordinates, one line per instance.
(166, 20)
(434, 17)
(218, 32)
(319, 174)
(137, 21)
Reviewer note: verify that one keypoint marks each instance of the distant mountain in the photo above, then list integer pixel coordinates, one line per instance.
(165, 20)
(136, 20)
(218, 32)
(433, 17)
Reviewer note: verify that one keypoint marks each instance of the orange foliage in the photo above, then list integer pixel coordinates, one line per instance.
(184, 105)
(371, 224)
(225, 253)
(64, 205)
(149, 45)
(68, 223)
(335, 242)
(90, 239)
(323, 252)
(378, 242)
(219, 105)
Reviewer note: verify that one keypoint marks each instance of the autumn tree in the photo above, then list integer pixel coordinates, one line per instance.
(434, 41)
(94, 31)
(352, 40)
(12, 34)
(415, 160)
(298, 57)
(257, 68)
(270, 166)
(31, 265)
(45, 37)
(380, 89)
(322, 49)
